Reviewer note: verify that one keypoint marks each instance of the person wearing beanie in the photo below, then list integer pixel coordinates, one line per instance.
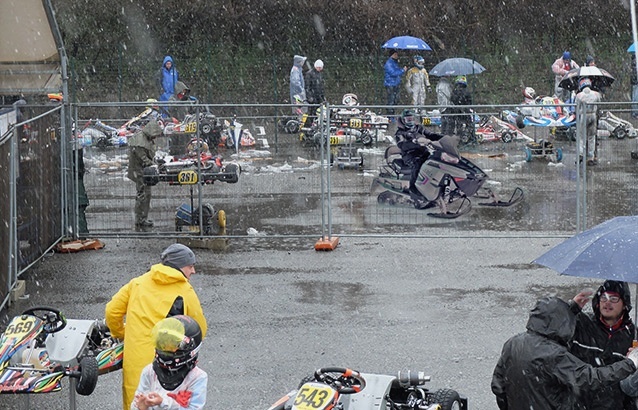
(560, 67)
(164, 291)
(603, 337)
(315, 85)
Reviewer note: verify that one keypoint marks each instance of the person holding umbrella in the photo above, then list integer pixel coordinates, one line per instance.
(536, 369)
(560, 67)
(392, 79)
(603, 337)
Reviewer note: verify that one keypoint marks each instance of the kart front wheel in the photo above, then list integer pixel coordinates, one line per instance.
(448, 399)
(221, 219)
(559, 154)
(88, 376)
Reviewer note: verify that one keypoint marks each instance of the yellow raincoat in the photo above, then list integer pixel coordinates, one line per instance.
(144, 301)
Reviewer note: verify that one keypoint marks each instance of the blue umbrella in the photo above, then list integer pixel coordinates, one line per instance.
(406, 43)
(632, 48)
(606, 251)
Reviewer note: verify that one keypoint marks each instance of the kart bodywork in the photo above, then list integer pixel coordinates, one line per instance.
(337, 388)
(40, 347)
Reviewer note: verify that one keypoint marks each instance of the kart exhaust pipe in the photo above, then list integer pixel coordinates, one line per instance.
(410, 378)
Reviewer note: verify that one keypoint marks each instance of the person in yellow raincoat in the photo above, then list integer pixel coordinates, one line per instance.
(162, 292)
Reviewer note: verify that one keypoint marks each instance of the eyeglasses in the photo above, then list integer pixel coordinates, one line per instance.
(609, 298)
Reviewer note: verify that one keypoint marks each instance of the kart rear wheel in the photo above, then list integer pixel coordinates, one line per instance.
(88, 376)
(206, 129)
(292, 126)
(619, 132)
(448, 399)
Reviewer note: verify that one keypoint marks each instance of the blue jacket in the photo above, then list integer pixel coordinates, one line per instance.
(167, 79)
(393, 73)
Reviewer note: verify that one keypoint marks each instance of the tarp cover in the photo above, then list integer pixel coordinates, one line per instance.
(29, 59)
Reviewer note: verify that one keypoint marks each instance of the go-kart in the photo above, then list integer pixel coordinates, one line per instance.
(545, 112)
(197, 166)
(337, 388)
(347, 126)
(615, 126)
(493, 129)
(40, 347)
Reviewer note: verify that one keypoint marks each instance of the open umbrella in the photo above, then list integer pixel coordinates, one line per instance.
(606, 251)
(406, 43)
(632, 48)
(600, 78)
(456, 66)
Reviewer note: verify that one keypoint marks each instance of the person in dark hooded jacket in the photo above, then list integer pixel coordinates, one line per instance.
(537, 371)
(604, 337)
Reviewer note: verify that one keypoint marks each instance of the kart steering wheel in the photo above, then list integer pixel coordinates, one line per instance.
(54, 320)
(343, 380)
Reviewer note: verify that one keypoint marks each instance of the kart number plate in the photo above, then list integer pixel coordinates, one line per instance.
(19, 326)
(426, 121)
(313, 396)
(355, 123)
(191, 128)
(335, 140)
(187, 177)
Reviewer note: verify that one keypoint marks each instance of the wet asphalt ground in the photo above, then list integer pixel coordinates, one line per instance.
(277, 309)
(442, 305)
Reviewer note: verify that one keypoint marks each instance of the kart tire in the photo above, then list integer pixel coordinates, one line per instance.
(528, 154)
(619, 132)
(448, 399)
(507, 137)
(559, 154)
(206, 129)
(88, 376)
(233, 169)
(520, 122)
(291, 127)
(366, 138)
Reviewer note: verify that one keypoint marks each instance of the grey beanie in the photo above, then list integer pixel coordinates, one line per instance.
(177, 256)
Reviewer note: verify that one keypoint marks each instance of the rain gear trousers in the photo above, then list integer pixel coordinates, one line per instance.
(141, 303)
(537, 371)
(141, 155)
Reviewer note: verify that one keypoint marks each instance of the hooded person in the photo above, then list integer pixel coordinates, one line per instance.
(141, 147)
(537, 371)
(297, 83)
(164, 291)
(603, 337)
(167, 79)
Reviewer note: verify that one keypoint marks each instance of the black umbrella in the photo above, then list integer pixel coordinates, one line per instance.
(599, 78)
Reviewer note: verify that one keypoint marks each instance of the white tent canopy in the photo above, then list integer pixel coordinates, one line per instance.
(29, 57)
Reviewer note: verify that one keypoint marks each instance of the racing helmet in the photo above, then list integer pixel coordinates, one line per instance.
(529, 92)
(583, 83)
(461, 79)
(350, 100)
(177, 342)
(419, 61)
(407, 118)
